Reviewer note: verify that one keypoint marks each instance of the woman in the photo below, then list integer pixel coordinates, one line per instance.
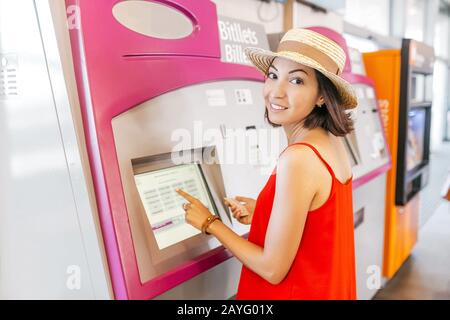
(301, 242)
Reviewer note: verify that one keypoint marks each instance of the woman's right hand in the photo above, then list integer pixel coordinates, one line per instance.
(242, 208)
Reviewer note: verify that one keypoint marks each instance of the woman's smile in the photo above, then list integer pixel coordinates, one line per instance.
(276, 107)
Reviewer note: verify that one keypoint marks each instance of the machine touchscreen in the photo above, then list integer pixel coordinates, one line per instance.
(416, 138)
(163, 206)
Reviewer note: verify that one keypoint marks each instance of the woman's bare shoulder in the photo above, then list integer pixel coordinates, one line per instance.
(299, 160)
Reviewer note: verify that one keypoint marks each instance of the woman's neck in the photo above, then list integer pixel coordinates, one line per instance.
(295, 132)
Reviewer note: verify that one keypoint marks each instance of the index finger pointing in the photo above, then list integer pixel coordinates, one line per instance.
(186, 195)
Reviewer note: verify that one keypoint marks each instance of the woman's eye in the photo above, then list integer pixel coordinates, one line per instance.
(271, 75)
(296, 81)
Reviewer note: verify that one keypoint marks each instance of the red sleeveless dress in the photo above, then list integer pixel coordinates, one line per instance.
(324, 266)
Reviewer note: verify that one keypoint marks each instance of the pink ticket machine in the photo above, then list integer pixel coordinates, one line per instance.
(163, 109)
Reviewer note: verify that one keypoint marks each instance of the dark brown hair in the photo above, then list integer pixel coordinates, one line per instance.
(331, 116)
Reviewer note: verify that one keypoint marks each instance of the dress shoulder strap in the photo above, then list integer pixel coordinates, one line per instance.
(317, 153)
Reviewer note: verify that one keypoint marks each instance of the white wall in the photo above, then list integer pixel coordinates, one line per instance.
(270, 14)
(372, 15)
(439, 32)
(304, 16)
(439, 109)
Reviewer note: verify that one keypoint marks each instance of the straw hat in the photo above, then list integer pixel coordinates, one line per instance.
(311, 49)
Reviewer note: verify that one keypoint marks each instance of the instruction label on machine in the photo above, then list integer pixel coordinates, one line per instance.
(243, 96)
(216, 98)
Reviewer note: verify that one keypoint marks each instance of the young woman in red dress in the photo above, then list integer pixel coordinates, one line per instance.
(301, 241)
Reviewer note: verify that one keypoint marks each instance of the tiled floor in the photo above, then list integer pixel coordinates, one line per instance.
(439, 170)
(426, 274)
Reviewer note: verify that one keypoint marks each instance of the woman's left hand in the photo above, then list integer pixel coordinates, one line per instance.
(196, 211)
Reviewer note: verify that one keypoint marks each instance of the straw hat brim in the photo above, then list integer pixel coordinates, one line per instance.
(262, 59)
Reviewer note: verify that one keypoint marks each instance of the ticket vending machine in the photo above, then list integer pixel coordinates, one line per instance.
(368, 148)
(369, 153)
(163, 110)
(404, 86)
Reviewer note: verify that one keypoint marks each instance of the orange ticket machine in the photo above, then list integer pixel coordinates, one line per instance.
(403, 79)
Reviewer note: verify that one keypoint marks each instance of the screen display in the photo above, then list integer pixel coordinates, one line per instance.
(416, 138)
(163, 206)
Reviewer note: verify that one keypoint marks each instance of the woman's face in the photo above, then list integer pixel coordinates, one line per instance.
(290, 92)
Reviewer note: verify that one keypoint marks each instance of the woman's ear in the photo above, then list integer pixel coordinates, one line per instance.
(320, 101)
